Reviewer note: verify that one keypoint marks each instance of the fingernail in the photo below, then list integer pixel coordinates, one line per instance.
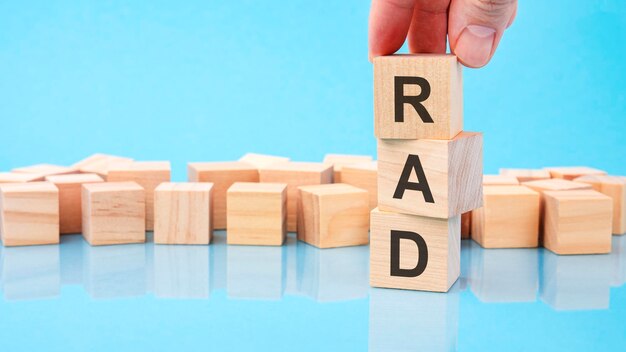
(474, 45)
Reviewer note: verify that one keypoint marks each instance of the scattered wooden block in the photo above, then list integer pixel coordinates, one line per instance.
(70, 209)
(427, 177)
(15, 177)
(182, 213)
(99, 164)
(257, 213)
(113, 213)
(296, 174)
(262, 160)
(338, 161)
(509, 218)
(466, 225)
(614, 187)
(572, 172)
(414, 252)
(577, 222)
(222, 175)
(29, 213)
(418, 96)
(499, 180)
(364, 176)
(525, 175)
(43, 170)
(333, 215)
(147, 174)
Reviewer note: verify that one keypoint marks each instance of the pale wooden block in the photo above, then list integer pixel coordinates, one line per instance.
(257, 213)
(452, 175)
(148, 174)
(99, 163)
(29, 213)
(338, 161)
(428, 261)
(572, 172)
(418, 96)
(577, 222)
(525, 175)
(296, 174)
(333, 215)
(509, 218)
(499, 180)
(15, 177)
(364, 176)
(614, 187)
(43, 170)
(466, 225)
(182, 213)
(113, 213)
(262, 160)
(70, 209)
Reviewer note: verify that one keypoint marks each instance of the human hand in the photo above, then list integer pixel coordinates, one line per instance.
(474, 27)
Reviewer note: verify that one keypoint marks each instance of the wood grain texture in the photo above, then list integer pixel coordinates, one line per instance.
(222, 175)
(614, 187)
(99, 163)
(442, 238)
(182, 213)
(365, 176)
(453, 170)
(577, 222)
(29, 214)
(509, 218)
(16, 177)
(444, 104)
(572, 172)
(257, 213)
(338, 161)
(70, 208)
(262, 160)
(113, 213)
(333, 215)
(525, 175)
(296, 174)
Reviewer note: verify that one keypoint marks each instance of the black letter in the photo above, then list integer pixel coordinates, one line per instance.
(422, 254)
(414, 100)
(413, 163)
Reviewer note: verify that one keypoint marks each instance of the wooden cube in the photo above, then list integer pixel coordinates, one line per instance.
(70, 209)
(509, 218)
(99, 164)
(16, 177)
(262, 160)
(333, 215)
(296, 174)
(418, 96)
(43, 170)
(113, 213)
(364, 176)
(577, 222)
(499, 180)
(428, 177)
(182, 213)
(257, 213)
(338, 161)
(466, 225)
(572, 172)
(414, 252)
(525, 175)
(222, 175)
(614, 187)
(29, 213)
(147, 174)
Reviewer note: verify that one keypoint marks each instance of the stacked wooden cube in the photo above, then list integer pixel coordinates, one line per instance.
(429, 172)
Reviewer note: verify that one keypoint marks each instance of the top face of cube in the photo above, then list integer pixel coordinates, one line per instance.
(261, 160)
(495, 180)
(605, 179)
(221, 166)
(16, 177)
(555, 184)
(571, 172)
(331, 189)
(111, 187)
(74, 178)
(99, 163)
(339, 160)
(18, 188)
(45, 169)
(524, 175)
(139, 166)
(586, 195)
(298, 166)
(418, 96)
(184, 187)
(255, 187)
(508, 190)
(368, 166)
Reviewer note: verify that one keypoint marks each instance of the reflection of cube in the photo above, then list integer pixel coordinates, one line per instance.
(70, 199)
(572, 172)
(577, 222)
(30, 272)
(29, 213)
(257, 213)
(338, 161)
(181, 271)
(255, 272)
(333, 215)
(365, 176)
(614, 187)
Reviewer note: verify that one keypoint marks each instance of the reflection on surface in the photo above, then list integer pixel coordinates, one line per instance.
(31, 272)
(255, 272)
(181, 271)
(618, 261)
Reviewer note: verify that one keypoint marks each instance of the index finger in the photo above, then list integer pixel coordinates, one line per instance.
(388, 25)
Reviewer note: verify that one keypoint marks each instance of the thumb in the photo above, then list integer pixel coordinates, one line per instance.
(476, 26)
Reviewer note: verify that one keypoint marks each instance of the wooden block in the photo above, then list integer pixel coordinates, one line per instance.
(262, 160)
(338, 161)
(414, 252)
(113, 213)
(15, 177)
(99, 164)
(257, 213)
(148, 174)
(296, 174)
(70, 209)
(43, 170)
(525, 175)
(182, 213)
(509, 218)
(333, 215)
(364, 176)
(466, 225)
(427, 177)
(222, 175)
(418, 96)
(572, 172)
(499, 180)
(614, 187)
(577, 222)
(29, 213)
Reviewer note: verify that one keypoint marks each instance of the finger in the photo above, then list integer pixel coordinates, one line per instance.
(388, 25)
(475, 28)
(429, 26)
